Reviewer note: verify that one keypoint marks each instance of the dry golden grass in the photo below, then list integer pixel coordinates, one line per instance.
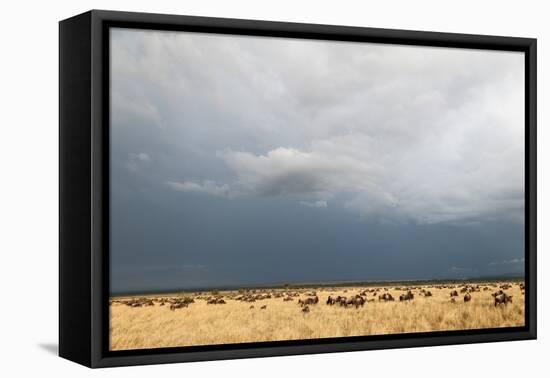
(234, 322)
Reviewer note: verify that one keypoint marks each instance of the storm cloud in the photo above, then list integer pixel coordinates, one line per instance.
(369, 136)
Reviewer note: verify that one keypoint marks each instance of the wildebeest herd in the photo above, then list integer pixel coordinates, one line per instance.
(307, 298)
(285, 313)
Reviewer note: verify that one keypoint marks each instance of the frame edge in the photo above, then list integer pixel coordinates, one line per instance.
(75, 334)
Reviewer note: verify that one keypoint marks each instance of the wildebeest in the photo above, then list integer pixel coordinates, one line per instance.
(263, 307)
(409, 296)
(137, 302)
(305, 309)
(178, 305)
(216, 301)
(308, 301)
(340, 300)
(251, 307)
(386, 297)
(467, 297)
(355, 301)
(453, 300)
(349, 301)
(454, 293)
(502, 299)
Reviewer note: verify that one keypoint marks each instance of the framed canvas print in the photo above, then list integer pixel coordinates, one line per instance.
(235, 188)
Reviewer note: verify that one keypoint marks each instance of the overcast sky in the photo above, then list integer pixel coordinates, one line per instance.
(254, 160)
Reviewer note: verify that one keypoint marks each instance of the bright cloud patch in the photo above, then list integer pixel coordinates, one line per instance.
(207, 187)
(389, 180)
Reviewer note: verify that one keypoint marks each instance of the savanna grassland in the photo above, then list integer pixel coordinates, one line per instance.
(202, 318)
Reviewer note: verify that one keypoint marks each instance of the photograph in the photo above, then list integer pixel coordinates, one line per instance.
(269, 189)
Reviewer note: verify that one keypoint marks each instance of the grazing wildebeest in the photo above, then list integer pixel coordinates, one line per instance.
(251, 307)
(308, 301)
(467, 297)
(263, 307)
(288, 299)
(502, 299)
(356, 301)
(330, 300)
(341, 300)
(428, 294)
(454, 293)
(178, 305)
(348, 302)
(305, 309)
(500, 292)
(216, 301)
(385, 297)
(138, 302)
(453, 300)
(409, 296)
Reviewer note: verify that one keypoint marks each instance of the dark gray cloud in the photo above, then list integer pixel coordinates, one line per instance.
(402, 140)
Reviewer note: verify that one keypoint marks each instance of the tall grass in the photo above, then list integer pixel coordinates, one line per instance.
(203, 324)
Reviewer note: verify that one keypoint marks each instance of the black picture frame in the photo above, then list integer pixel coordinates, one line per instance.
(84, 187)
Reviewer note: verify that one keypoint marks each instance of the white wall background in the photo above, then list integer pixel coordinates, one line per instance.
(29, 185)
